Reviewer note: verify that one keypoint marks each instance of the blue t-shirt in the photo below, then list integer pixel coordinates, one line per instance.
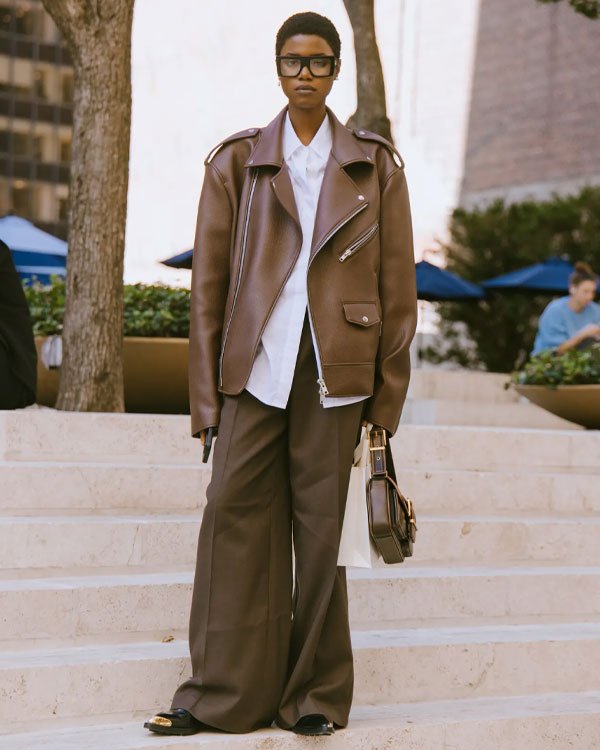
(559, 322)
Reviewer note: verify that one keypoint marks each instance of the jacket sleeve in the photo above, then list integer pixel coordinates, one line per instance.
(209, 288)
(398, 295)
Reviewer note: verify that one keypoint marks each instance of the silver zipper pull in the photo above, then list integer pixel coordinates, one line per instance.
(344, 255)
(322, 387)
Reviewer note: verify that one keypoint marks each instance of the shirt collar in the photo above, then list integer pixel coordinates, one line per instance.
(320, 144)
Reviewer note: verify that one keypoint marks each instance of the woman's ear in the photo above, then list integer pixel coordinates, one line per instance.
(336, 73)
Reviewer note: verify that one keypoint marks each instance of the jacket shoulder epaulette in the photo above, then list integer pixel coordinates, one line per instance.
(370, 136)
(248, 133)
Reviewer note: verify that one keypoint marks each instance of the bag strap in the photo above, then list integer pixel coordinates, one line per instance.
(377, 448)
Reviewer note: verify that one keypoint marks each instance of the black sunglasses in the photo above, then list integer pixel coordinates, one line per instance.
(320, 66)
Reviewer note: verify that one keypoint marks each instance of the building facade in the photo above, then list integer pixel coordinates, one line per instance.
(534, 125)
(36, 112)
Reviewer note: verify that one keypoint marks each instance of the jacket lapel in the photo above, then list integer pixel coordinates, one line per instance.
(339, 201)
(268, 152)
(284, 192)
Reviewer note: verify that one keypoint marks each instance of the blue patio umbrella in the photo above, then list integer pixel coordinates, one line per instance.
(182, 260)
(35, 253)
(435, 284)
(549, 277)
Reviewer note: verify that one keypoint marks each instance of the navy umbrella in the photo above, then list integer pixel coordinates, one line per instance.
(182, 260)
(435, 284)
(35, 253)
(549, 277)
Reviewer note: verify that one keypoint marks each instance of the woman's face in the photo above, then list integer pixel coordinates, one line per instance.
(583, 293)
(307, 91)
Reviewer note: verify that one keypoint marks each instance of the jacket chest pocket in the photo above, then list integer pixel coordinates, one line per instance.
(361, 338)
(357, 244)
(363, 314)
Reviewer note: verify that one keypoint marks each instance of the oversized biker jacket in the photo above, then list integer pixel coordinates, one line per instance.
(360, 277)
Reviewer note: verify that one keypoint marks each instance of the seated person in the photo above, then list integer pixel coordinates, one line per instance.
(572, 321)
(18, 358)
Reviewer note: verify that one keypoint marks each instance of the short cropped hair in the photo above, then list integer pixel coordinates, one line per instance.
(308, 23)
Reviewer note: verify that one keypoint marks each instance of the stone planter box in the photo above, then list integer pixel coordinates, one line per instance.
(576, 403)
(155, 373)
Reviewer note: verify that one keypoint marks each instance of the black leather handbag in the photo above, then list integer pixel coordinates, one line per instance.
(392, 520)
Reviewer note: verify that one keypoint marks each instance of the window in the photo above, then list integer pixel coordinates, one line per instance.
(37, 147)
(22, 145)
(29, 20)
(63, 209)
(40, 84)
(22, 199)
(6, 14)
(65, 150)
(5, 199)
(67, 87)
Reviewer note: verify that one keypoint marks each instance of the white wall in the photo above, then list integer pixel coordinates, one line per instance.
(202, 70)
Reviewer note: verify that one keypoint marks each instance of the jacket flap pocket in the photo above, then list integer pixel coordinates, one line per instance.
(361, 313)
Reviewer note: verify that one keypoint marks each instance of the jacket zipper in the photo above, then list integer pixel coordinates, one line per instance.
(323, 391)
(359, 243)
(239, 276)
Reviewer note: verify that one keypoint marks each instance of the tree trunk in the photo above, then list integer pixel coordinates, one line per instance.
(371, 111)
(98, 34)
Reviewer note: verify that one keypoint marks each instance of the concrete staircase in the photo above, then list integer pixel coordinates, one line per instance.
(489, 638)
(469, 397)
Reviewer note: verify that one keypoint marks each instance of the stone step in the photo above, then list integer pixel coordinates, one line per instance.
(48, 435)
(424, 411)
(552, 721)
(73, 487)
(461, 385)
(449, 491)
(496, 449)
(123, 601)
(419, 664)
(115, 540)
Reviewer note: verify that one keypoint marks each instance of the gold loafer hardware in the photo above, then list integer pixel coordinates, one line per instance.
(161, 721)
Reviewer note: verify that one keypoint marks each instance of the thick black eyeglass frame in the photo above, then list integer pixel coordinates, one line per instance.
(306, 62)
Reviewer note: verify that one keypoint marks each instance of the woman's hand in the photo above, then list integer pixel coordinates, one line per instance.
(591, 330)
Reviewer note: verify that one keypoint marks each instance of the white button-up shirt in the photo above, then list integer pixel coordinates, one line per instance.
(273, 368)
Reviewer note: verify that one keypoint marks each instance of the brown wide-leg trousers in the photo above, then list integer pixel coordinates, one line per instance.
(260, 651)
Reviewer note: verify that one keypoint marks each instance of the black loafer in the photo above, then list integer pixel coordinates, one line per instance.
(313, 725)
(178, 721)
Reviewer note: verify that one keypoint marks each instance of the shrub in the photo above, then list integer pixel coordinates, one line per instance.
(574, 367)
(490, 241)
(46, 306)
(149, 310)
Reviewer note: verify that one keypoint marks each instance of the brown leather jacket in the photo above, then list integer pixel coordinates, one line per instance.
(361, 272)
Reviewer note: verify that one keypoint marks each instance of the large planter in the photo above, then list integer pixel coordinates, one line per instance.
(154, 370)
(576, 403)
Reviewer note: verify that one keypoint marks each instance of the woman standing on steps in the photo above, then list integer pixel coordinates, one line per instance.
(303, 310)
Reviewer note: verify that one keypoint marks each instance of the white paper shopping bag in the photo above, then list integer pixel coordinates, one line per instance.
(356, 549)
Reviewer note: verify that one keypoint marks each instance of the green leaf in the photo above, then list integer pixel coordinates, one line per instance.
(149, 310)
